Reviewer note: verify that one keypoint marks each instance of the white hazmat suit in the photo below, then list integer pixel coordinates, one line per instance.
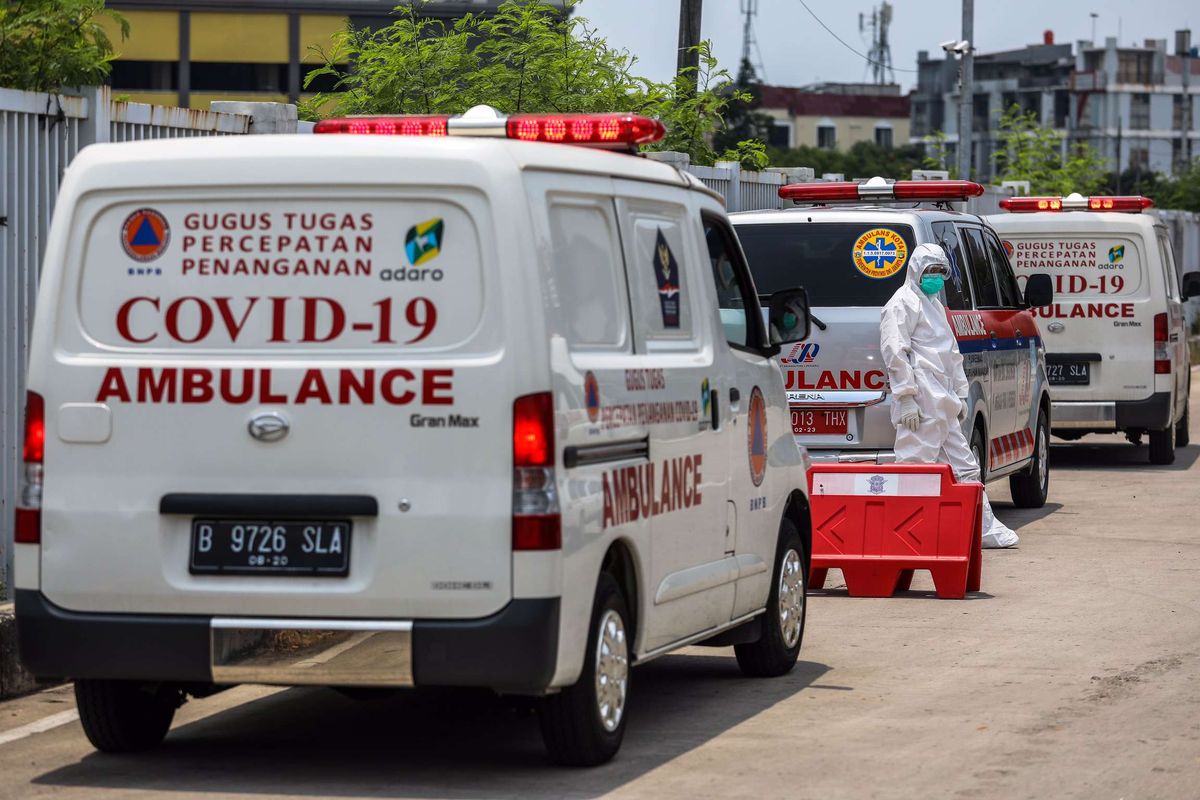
(929, 386)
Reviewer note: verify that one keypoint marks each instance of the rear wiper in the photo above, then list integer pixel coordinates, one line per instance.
(766, 299)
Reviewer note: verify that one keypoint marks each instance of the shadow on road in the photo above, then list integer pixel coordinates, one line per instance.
(1017, 518)
(433, 743)
(1117, 454)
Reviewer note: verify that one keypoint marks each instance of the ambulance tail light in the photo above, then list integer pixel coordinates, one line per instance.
(878, 189)
(1162, 353)
(537, 523)
(28, 523)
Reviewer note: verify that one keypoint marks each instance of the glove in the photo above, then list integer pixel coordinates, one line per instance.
(910, 413)
(962, 409)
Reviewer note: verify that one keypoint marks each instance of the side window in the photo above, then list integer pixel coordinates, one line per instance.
(1168, 260)
(735, 289)
(982, 279)
(1006, 283)
(661, 279)
(958, 288)
(588, 284)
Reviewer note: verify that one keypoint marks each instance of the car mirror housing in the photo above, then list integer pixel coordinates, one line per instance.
(1039, 291)
(788, 318)
(1191, 285)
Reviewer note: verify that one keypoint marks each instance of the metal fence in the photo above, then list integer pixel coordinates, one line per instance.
(39, 135)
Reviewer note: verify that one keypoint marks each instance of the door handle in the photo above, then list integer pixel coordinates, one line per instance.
(734, 396)
(716, 412)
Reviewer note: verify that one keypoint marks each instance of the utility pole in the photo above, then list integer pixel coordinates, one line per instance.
(689, 37)
(966, 94)
(1183, 49)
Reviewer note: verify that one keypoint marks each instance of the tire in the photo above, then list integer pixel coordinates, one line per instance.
(980, 452)
(577, 728)
(1182, 437)
(1162, 446)
(1030, 488)
(125, 716)
(775, 652)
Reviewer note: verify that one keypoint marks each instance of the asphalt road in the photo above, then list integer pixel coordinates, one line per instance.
(1075, 673)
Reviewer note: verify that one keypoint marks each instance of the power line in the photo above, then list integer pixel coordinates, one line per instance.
(864, 57)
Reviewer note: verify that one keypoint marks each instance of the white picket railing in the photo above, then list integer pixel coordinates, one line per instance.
(39, 135)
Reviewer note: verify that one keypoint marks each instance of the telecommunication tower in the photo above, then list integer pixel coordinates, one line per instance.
(750, 52)
(881, 51)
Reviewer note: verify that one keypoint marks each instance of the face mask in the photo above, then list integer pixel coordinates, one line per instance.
(932, 284)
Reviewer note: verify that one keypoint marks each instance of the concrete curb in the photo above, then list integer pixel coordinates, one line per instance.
(14, 680)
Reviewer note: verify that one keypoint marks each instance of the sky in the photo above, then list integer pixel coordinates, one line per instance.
(797, 51)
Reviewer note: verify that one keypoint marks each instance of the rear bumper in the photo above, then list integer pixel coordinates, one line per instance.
(515, 649)
(1153, 413)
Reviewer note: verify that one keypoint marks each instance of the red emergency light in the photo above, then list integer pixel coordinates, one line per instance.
(1075, 202)
(879, 190)
(602, 130)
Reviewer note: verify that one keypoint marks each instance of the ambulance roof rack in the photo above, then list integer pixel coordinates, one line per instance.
(1133, 204)
(607, 130)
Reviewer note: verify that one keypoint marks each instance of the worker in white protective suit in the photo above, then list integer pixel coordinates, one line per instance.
(929, 386)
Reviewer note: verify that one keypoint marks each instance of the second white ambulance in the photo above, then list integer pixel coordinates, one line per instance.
(1116, 339)
(439, 402)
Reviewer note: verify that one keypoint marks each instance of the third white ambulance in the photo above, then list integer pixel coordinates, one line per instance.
(1116, 341)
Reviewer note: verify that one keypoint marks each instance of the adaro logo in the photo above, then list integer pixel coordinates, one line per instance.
(145, 235)
(757, 424)
(424, 241)
(591, 396)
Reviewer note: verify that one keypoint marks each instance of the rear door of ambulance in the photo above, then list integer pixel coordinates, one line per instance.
(836, 380)
(1099, 333)
(278, 398)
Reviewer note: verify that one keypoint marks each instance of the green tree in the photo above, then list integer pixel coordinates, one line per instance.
(48, 44)
(527, 58)
(742, 119)
(1030, 152)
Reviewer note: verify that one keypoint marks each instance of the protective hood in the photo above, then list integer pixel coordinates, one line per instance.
(923, 257)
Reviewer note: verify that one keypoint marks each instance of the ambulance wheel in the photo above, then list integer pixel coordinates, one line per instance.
(775, 652)
(980, 454)
(583, 725)
(1030, 488)
(1182, 437)
(1162, 446)
(125, 716)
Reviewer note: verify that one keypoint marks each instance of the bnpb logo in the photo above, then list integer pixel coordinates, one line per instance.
(145, 235)
(591, 396)
(803, 353)
(757, 434)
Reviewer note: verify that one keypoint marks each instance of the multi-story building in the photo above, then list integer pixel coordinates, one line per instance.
(835, 116)
(1130, 103)
(191, 52)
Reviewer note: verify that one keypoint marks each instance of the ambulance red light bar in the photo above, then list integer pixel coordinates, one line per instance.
(1075, 202)
(603, 130)
(877, 189)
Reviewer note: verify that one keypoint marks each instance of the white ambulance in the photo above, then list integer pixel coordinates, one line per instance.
(1116, 338)
(454, 405)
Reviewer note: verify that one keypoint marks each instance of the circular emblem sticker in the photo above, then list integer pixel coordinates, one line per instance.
(591, 396)
(880, 253)
(145, 235)
(757, 434)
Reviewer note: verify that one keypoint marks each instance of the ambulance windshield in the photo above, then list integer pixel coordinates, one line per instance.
(840, 264)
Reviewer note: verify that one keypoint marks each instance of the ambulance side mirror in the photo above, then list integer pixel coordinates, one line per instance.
(1191, 285)
(788, 317)
(1039, 291)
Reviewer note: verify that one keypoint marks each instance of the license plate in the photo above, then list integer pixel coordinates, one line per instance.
(267, 547)
(1071, 373)
(817, 421)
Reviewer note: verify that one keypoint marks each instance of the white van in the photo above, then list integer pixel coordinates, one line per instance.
(1116, 339)
(397, 410)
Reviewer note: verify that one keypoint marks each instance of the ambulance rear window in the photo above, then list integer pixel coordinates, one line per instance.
(278, 273)
(840, 264)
